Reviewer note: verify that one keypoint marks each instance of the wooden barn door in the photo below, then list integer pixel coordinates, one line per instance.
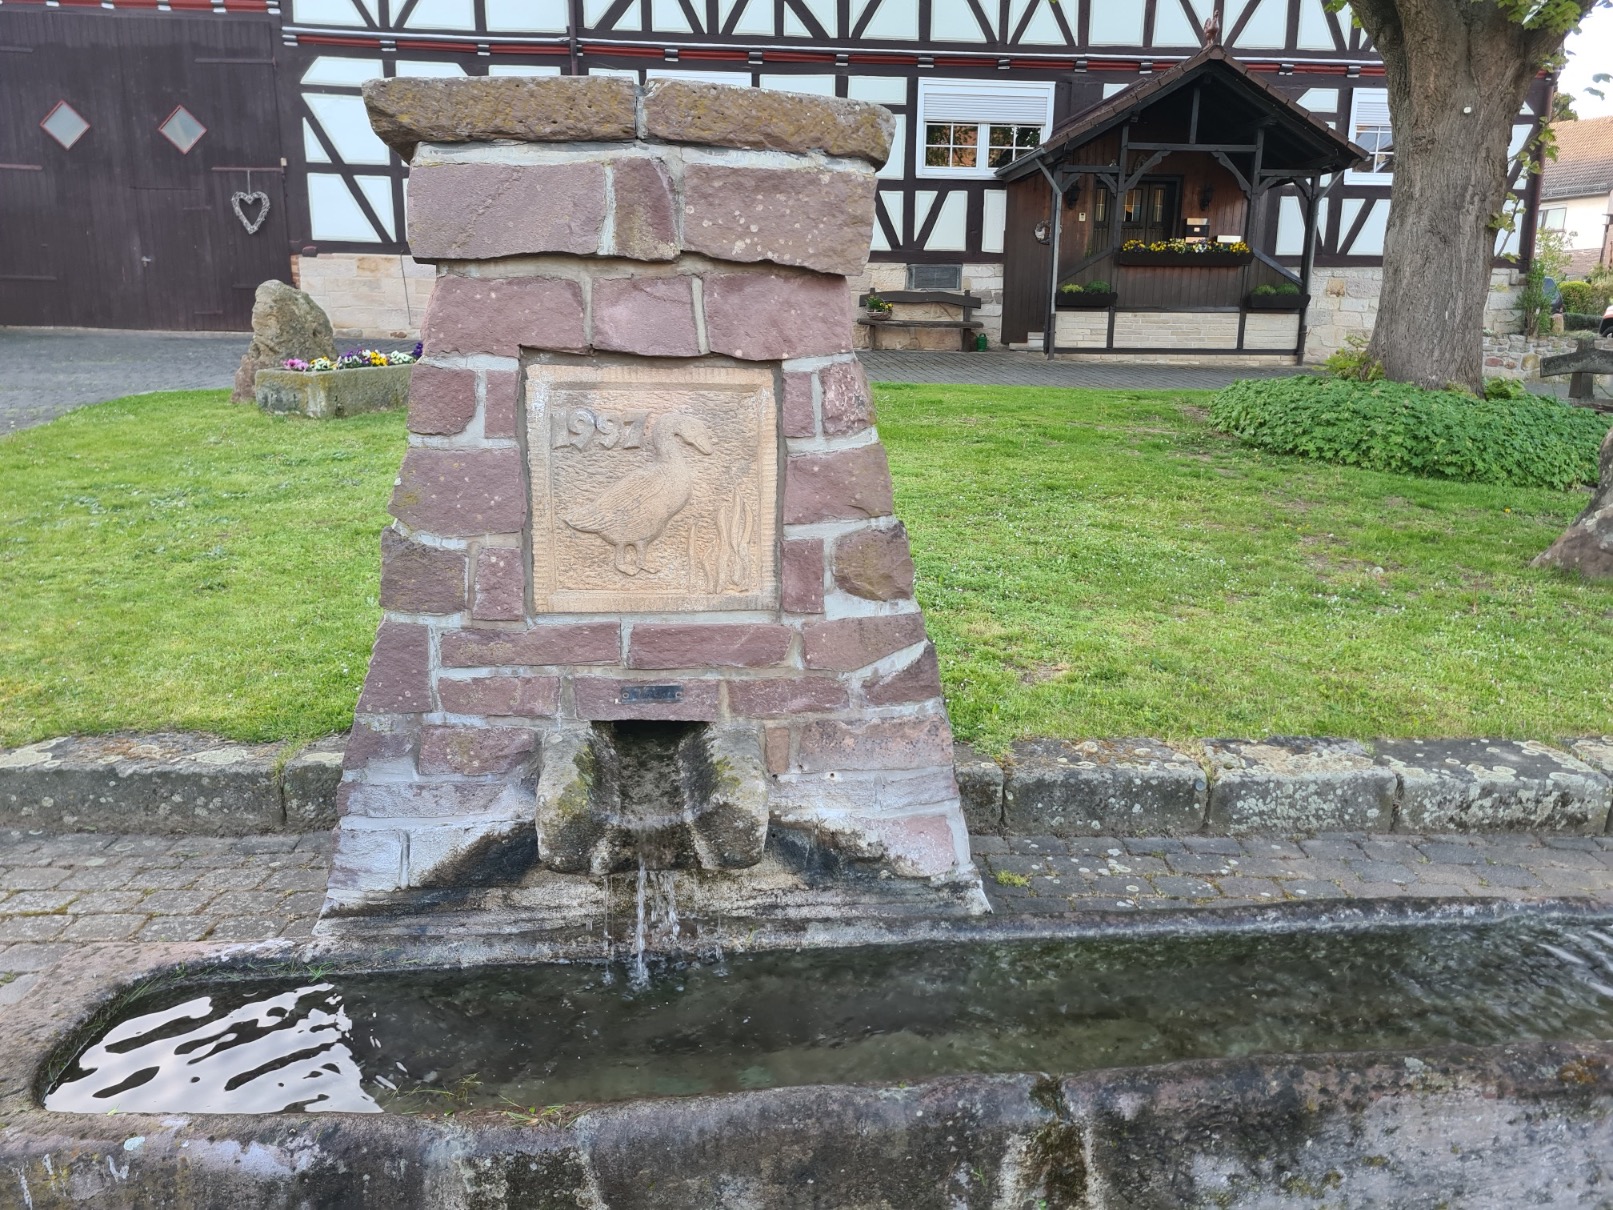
(126, 137)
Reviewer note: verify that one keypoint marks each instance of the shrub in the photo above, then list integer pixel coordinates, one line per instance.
(1581, 297)
(1352, 363)
(1264, 290)
(1505, 388)
(1393, 426)
(1097, 287)
(1576, 321)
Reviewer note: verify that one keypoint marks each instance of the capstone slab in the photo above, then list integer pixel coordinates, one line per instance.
(1287, 784)
(1479, 785)
(1102, 788)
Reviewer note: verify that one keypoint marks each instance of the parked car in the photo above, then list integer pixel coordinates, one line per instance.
(1607, 323)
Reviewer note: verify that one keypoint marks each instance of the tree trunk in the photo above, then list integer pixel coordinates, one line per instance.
(1457, 72)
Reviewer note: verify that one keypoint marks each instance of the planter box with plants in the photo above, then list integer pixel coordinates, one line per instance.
(878, 309)
(361, 380)
(1094, 296)
(1178, 252)
(1284, 296)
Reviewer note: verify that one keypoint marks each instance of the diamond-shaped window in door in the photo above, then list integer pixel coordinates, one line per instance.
(182, 129)
(64, 124)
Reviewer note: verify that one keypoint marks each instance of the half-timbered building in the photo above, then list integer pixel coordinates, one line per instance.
(162, 156)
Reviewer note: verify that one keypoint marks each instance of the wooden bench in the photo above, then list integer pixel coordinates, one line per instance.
(923, 319)
(1584, 363)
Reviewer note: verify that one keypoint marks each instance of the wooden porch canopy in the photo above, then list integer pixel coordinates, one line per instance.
(1208, 109)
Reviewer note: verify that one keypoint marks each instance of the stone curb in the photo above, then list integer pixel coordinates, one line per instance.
(202, 785)
(171, 783)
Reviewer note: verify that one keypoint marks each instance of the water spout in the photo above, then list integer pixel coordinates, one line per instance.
(641, 972)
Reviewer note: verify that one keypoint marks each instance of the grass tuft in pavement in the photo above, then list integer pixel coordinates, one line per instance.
(1093, 563)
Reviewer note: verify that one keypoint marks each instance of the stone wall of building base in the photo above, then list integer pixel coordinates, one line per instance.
(368, 296)
(1344, 303)
(985, 281)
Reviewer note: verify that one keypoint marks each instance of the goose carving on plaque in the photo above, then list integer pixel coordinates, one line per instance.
(653, 488)
(634, 511)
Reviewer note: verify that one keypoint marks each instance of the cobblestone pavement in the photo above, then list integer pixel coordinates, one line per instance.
(48, 371)
(1008, 368)
(1045, 875)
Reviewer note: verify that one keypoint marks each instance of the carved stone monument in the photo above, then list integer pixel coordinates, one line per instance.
(646, 603)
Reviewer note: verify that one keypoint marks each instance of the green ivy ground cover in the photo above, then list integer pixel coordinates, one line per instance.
(1092, 563)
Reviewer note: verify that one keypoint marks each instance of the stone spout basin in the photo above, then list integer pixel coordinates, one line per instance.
(1348, 1057)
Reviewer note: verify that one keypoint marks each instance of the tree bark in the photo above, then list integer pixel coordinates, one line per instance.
(1457, 73)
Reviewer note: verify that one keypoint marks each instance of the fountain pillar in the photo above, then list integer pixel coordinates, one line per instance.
(645, 596)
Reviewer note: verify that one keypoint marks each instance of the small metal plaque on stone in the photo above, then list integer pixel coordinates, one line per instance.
(653, 489)
(650, 693)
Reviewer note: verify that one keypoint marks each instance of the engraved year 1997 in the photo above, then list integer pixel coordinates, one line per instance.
(581, 427)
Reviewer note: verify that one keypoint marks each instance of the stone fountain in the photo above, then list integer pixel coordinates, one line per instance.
(647, 605)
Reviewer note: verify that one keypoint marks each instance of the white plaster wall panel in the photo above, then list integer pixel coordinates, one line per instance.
(824, 12)
(895, 168)
(1291, 225)
(993, 220)
(1116, 23)
(1520, 136)
(429, 69)
(347, 126)
(378, 192)
(326, 12)
(332, 212)
(954, 21)
(894, 205)
(884, 90)
(1267, 25)
(1172, 27)
(593, 12)
(1044, 29)
(1320, 100)
(312, 150)
(620, 73)
(951, 230)
(757, 17)
(667, 17)
(794, 27)
(823, 86)
(373, 7)
(338, 72)
(443, 14)
(893, 19)
(923, 199)
(521, 69)
(1109, 90)
(728, 79)
(526, 16)
(1314, 32)
(1370, 241)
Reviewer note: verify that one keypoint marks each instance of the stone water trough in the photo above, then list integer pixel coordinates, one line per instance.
(651, 885)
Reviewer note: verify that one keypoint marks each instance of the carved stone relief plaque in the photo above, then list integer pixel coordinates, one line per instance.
(652, 488)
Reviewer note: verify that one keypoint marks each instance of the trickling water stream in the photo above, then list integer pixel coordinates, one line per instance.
(540, 1035)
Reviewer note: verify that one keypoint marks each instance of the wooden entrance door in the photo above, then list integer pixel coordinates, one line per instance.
(126, 136)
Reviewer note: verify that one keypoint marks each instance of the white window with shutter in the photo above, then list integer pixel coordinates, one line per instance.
(971, 128)
(1369, 130)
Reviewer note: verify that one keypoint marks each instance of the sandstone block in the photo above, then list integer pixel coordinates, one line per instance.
(308, 784)
(910, 743)
(846, 485)
(650, 316)
(1478, 785)
(785, 697)
(772, 317)
(501, 316)
(365, 860)
(434, 800)
(875, 564)
(519, 209)
(500, 696)
(816, 218)
(416, 578)
(679, 111)
(285, 323)
(718, 645)
(776, 749)
(847, 644)
(548, 109)
(917, 846)
(461, 493)
(1298, 785)
(605, 698)
(1125, 787)
(847, 403)
(399, 679)
(373, 741)
(797, 416)
(503, 398)
(541, 646)
(473, 751)
(801, 576)
(920, 681)
(645, 226)
(500, 585)
(1586, 546)
(441, 402)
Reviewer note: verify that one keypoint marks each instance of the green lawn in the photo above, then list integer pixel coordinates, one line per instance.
(1092, 563)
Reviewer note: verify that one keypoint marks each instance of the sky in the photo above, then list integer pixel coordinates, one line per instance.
(1590, 51)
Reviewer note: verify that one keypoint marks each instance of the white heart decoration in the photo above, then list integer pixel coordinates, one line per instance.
(258, 196)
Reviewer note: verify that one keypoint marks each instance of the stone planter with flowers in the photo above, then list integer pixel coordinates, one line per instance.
(361, 380)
